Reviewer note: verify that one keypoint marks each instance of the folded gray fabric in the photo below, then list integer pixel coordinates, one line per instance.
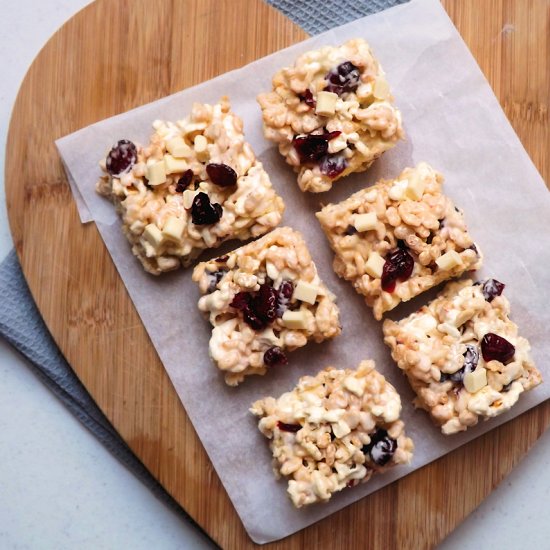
(20, 321)
(22, 326)
(316, 16)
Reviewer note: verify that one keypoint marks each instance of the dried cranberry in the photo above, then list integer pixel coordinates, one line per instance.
(286, 289)
(333, 165)
(398, 266)
(264, 303)
(381, 447)
(492, 288)
(222, 259)
(495, 347)
(184, 181)
(308, 99)
(313, 147)
(283, 426)
(275, 356)
(121, 158)
(345, 78)
(259, 309)
(221, 174)
(203, 212)
(253, 320)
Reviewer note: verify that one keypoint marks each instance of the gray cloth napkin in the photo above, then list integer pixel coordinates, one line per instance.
(20, 321)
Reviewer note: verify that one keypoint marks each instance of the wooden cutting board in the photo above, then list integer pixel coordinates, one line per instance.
(117, 54)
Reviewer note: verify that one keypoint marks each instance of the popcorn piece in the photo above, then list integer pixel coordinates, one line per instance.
(152, 184)
(462, 355)
(263, 300)
(331, 114)
(415, 244)
(333, 431)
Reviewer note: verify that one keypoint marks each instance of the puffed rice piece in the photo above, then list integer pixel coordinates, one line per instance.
(450, 360)
(161, 218)
(334, 430)
(338, 91)
(283, 304)
(409, 217)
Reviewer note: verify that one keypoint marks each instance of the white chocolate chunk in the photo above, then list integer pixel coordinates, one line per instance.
(397, 190)
(272, 271)
(294, 319)
(178, 148)
(188, 197)
(474, 381)
(172, 165)
(381, 88)
(365, 222)
(326, 103)
(173, 229)
(375, 265)
(340, 429)
(415, 189)
(153, 235)
(354, 385)
(306, 292)
(201, 147)
(449, 260)
(156, 173)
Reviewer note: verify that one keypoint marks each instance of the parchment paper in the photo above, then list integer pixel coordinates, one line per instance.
(454, 122)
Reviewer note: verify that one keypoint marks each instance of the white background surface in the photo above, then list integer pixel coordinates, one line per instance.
(59, 488)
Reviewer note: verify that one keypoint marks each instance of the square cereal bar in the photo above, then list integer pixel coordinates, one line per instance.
(196, 185)
(462, 355)
(262, 299)
(331, 114)
(334, 430)
(398, 238)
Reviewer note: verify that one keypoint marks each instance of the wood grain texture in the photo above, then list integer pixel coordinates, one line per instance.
(117, 54)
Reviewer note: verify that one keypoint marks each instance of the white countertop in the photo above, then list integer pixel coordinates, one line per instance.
(60, 488)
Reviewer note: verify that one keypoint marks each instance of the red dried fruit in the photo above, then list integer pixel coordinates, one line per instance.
(286, 289)
(221, 174)
(497, 348)
(203, 212)
(264, 304)
(491, 289)
(308, 99)
(398, 266)
(283, 426)
(259, 309)
(345, 78)
(184, 181)
(275, 356)
(333, 165)
(121, 158)
(313, 147)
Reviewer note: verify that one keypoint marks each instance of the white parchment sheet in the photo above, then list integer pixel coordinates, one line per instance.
(454, 122)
